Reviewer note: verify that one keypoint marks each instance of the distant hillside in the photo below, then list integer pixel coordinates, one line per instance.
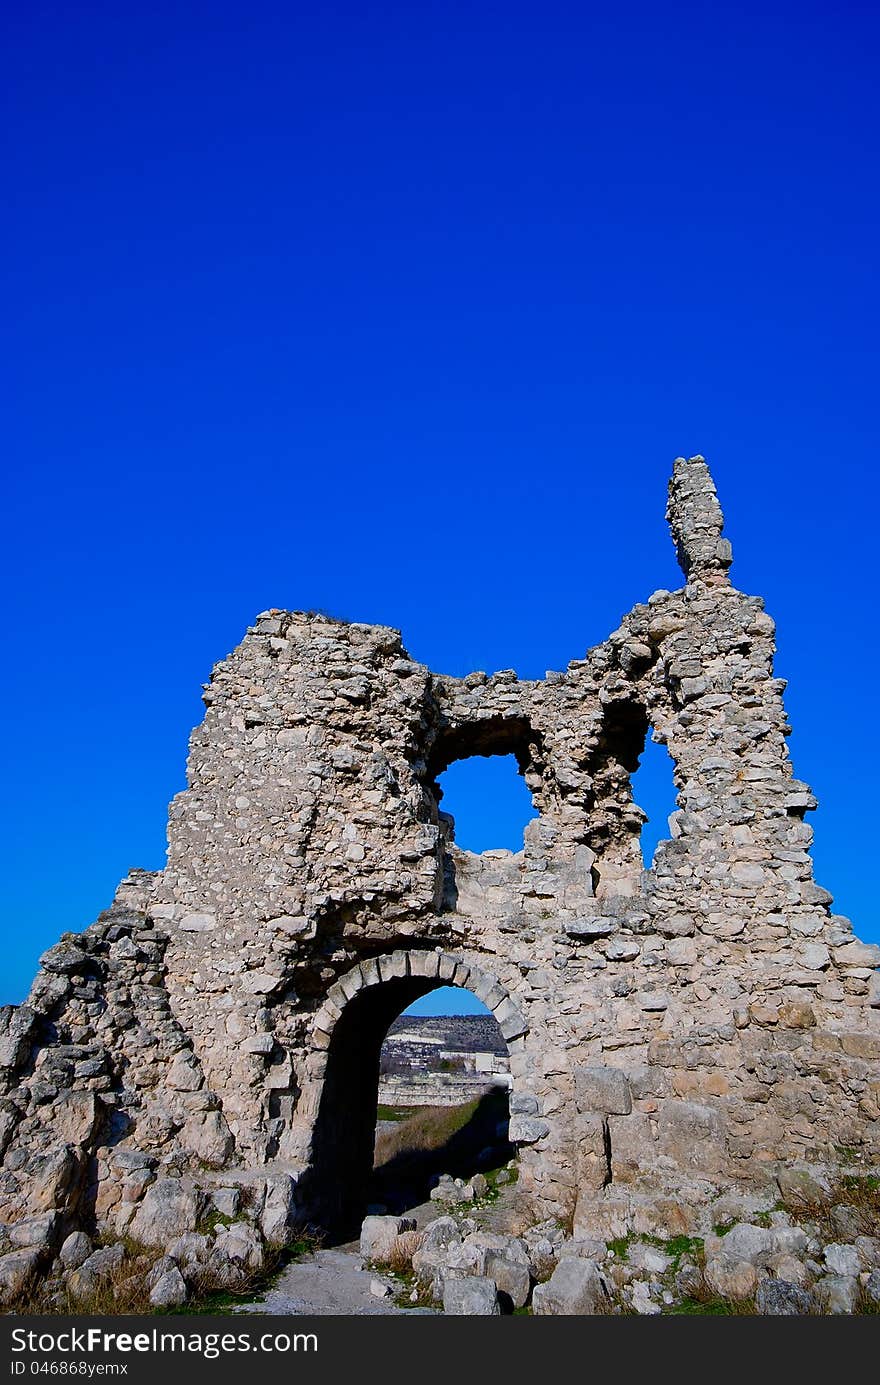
(441, 1060)
(459, 1033)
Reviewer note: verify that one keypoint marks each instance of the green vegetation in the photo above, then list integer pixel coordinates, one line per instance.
(212, 1298)
(407, 1285)
(620, 1247)
(213, 1219)
(458, 1140)
(712, 1306)
(679, 1246)
(494, 1189)
(846, 1154)
(430, 1129)
(394, 1113)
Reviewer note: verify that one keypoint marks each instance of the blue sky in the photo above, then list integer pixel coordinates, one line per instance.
(403, 313)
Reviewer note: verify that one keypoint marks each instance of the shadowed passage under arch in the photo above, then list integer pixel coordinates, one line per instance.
(343, 1137)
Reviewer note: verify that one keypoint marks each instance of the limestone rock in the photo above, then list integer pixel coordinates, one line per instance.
(35, 1232)
(473, 1297)
(169, 1209)
(837, 1294)
(17, 1271)
(799, 1188)
(843, 1260)
(448, 1190)
(95, 1271)
(511, 1277)
(776, 1298)
(574, 1287)
(169, 1291)
(206, 1135)
(378, 1236)
(278, 1212)
(440, 1233)
(76, 1248)
(527, 1130)
(731, 1278)
(237, 1252)
(602, 1089)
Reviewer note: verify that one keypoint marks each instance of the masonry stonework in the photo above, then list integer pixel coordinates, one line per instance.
(673, 1032)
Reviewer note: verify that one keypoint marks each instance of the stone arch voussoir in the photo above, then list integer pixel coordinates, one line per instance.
(448, 969)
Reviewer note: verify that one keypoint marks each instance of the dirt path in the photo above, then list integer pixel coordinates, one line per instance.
(334, 1281)
(330, 1282)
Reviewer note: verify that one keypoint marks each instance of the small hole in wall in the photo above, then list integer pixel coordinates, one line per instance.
(488, 799)
(653, 789)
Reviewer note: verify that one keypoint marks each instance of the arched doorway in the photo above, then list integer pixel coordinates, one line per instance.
(349, 1031)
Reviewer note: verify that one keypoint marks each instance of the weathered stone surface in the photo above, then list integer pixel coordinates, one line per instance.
(729, 1277)
(602, 1089)
(169, 1291)
(511, 1277)
(378, 1236)
(278, 1214)
(574, 1287)
(590, 928)
(76, 1116)
(837, 1294)
(798, 1188)
(51, 1179)
(779, 1299)
(206, 1136)
(641, 1300)
(17, 1271)
(169, 1209)
(843, 1260)
(39, 1232)
(237, 1248)
(226, 1201)
(527, 1130)
(95, 1271)
(856, 954)
(754, 1244)
(76, 1248)
(693, 1134)
(190, 1250)
(451, 1191)
(440, 1233)
(472, 1297)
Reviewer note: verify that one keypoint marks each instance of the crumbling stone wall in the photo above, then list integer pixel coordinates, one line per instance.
(671, 1031)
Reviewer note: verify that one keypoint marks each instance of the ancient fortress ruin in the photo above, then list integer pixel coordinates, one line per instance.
(673, 1032)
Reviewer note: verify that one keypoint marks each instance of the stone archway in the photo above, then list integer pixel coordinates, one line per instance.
(335, 1129)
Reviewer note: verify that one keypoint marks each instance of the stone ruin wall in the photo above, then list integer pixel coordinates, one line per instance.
(672, 1032)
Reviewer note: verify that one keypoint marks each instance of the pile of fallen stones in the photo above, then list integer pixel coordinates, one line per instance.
(183, 1240)
(811, 1252)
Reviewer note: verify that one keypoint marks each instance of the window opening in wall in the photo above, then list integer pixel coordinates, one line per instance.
(653, 788)
(489, 802)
